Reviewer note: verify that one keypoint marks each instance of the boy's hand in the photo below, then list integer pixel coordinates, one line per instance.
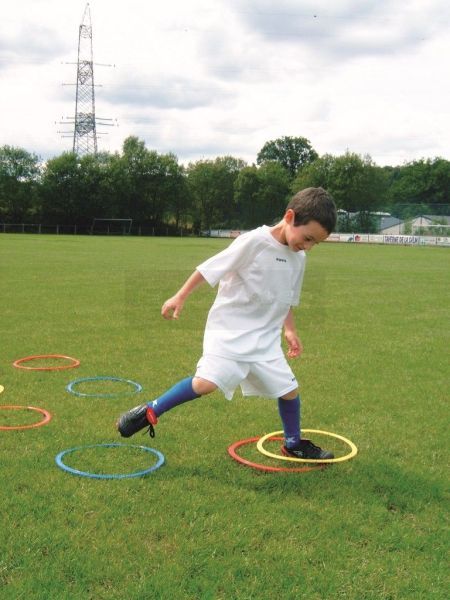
(172, 308)
(295, 347)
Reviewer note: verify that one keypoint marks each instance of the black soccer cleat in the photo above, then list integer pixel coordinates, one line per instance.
(306, 449)
(136, 419)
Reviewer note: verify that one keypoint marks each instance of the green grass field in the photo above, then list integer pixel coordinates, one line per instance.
(374, 321)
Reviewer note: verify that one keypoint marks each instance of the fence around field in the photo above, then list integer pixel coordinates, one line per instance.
(356, 238)
(87, 230)
(398, 240)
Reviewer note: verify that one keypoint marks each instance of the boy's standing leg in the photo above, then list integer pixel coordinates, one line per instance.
(289, 409)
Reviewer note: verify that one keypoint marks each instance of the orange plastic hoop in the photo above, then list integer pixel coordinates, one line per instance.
(18, 363)
(259, 467)
(46, 419)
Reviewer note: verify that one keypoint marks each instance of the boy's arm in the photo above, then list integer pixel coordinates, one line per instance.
(295, 346)
(172, 307)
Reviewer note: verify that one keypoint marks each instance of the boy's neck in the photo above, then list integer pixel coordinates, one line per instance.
(278, 232)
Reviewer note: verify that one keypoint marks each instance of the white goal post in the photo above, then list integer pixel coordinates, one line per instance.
(111, 226)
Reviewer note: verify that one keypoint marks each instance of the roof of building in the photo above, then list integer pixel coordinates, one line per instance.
(387, 222)
(439, 218)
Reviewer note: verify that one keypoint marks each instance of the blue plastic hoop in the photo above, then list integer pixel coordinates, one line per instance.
(70, 386)
(64, 467)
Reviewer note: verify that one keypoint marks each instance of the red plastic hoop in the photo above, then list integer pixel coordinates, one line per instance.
(232, 452)
(46, 419)
(18, 363)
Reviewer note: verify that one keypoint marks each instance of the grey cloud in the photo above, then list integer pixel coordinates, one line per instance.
(386, 148)
(188, 150)
(341, 29)
(232, 58)
(35, 45)
(198, 151)
(192, 144)
(167, 92)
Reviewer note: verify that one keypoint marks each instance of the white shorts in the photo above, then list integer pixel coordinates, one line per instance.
(270, 379)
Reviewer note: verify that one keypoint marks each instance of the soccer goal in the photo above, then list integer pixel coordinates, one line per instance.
(111, 226)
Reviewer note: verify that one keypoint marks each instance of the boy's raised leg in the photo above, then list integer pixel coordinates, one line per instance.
(146, 415)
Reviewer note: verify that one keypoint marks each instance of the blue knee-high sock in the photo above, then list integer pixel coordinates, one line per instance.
(179, 393)
(290, 416)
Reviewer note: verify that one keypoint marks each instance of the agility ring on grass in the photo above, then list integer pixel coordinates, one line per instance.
(2, 389)
(64, 467)
(72, 384)
(19, 362)
(351, 454)
(232, 452)
(46, 419)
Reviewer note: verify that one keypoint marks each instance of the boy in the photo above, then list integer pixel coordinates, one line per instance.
(260, 277)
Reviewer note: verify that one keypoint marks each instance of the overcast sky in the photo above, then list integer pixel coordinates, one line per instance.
(207, 78)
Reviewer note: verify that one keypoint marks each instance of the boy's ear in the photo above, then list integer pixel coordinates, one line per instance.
(289, 216)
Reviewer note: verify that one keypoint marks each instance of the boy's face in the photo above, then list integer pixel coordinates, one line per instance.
(303, 237)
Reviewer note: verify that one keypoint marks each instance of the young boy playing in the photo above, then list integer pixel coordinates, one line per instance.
(260, 277)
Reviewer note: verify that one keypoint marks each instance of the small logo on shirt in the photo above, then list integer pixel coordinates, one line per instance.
(281, 259)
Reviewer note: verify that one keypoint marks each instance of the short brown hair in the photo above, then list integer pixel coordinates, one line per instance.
(314, 204)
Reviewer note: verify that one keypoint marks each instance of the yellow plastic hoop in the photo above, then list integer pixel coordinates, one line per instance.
(1, 389)
(353, 449)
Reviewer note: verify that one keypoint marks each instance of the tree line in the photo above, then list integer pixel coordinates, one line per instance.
(156, 191)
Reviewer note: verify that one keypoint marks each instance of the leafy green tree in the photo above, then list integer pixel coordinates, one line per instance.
(103, 183)
(227, 171)
(273, 193)
(154, 189)
(138, 184)
(261, 194)
(75, 189)
(94, 198)
(420, 187)
(152, 186)
(293, 153)
(246, 191)
(134, 174)
(319, 173)
(61, 189)
(19, 178)
(356, 184)
(201, 184)
(178, 201)
(156, 183)
(211, 184)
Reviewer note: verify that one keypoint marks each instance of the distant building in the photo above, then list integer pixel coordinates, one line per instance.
(420, 225)
(430, 225)
(391, 226)
(427, 225)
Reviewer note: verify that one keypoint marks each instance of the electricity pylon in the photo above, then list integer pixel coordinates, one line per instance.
(85, 127)
(85, 121)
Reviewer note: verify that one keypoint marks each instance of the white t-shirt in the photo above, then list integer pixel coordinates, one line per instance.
(260, 279)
